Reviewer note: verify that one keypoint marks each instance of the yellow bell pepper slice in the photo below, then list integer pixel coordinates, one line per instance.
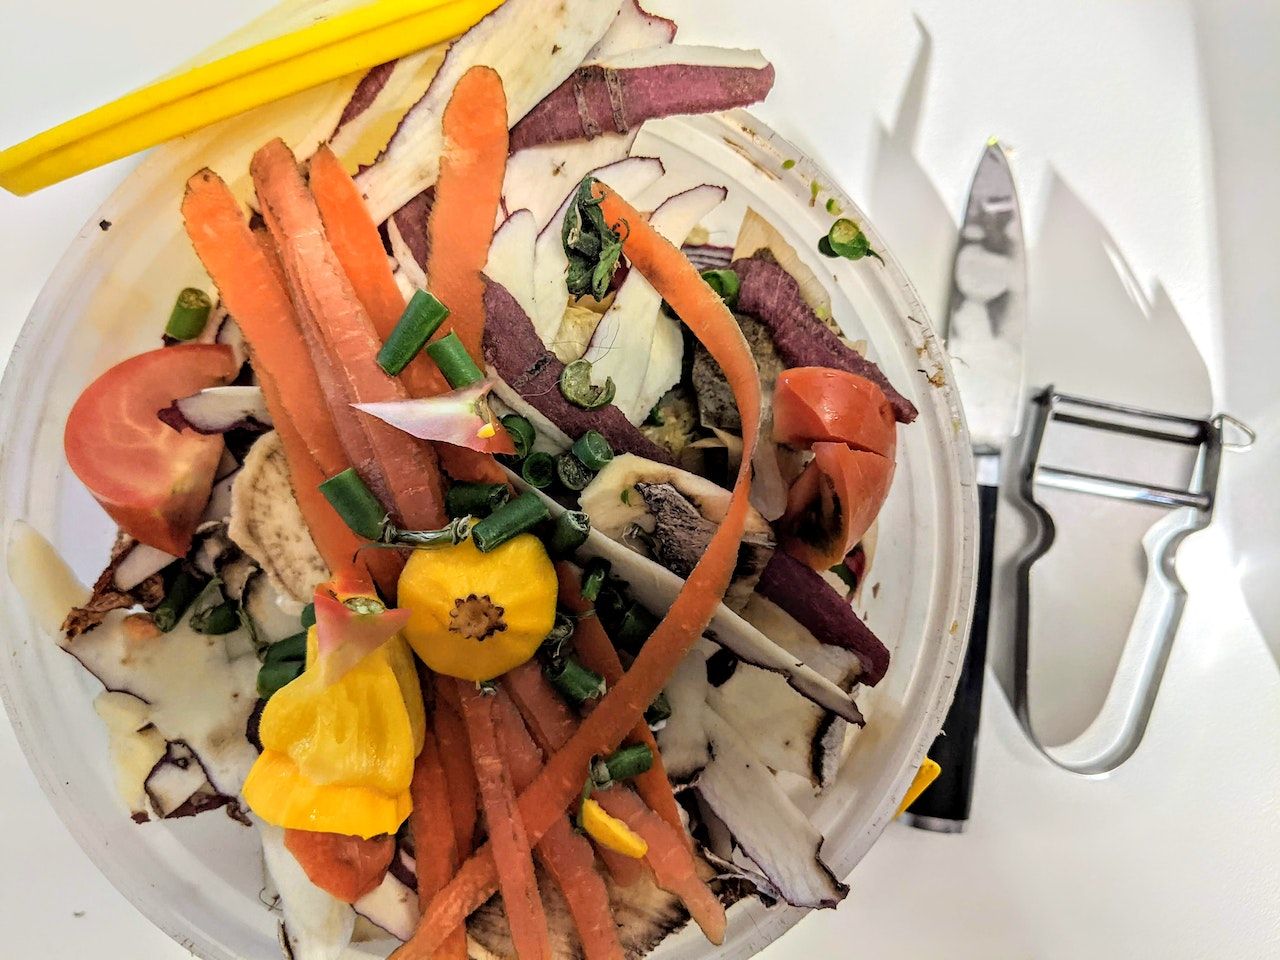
(610, 832)
(477, 615)
(278, 792)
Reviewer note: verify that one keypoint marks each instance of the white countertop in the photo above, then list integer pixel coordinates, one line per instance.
(1146, 136)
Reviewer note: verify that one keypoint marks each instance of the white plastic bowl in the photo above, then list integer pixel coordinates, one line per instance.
(199, 880)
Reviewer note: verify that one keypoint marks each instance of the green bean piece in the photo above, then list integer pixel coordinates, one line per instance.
(355, 503)
(593, 578)
(522, 434)
(219, 619)
(659, 711)
(183, 589)
(422, 317)
(576, 385)
(189, 315)
(569, 533)
(454, 362)
(475, 499)
(308, 616)
(593, 450)
(726, 285)
(509, 521)
(538, 470)
(575, 682)
(573, 473)
(290, 648)
(273, 676)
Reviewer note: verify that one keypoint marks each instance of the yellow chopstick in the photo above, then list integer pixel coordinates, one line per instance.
(333, 47)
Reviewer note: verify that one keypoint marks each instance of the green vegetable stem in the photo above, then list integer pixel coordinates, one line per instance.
(189, 315)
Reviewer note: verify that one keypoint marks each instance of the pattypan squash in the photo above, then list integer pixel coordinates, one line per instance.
(475, 615)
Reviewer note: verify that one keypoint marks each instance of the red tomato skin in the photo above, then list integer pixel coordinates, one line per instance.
(841, 483)
(817, 404)
(342, 866)
(154, 481)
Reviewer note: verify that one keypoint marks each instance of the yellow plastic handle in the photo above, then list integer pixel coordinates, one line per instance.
(927, 773)
(336, 46)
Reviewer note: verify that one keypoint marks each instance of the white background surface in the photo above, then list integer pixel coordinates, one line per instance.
(1146, 136)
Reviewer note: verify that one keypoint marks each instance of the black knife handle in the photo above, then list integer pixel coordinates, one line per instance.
(944, 806)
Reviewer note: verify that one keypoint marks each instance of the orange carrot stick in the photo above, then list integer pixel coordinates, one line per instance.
(566, 855)
(468, 191)
(624, 705)
(435, 851)
(508, 838)
(597, 653)
(455, 758)
(253, 294)
(359, 249)
(551, 723)
(672, 863)
(322, 291)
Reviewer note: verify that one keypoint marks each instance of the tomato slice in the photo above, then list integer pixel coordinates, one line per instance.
(342, 866)
(817, 404)
(833, 503)
(153, 480)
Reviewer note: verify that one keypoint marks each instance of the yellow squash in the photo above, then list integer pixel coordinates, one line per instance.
(477, 615)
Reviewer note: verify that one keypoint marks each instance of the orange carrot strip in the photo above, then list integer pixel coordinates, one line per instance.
(552, 724)
(693, 300)
(510, 842)
(455, 757)
(359, 249)
(672, 863)
(566, 855)
(322, 290)
(597, 653)
(253, 294)
(468, 191)
(434, 847)
(343, 866)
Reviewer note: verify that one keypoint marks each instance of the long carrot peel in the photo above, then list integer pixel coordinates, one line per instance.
(359, 250)
(322, 294)
(250, 282)
(508, 838)
(566, 855)
(670, 853)
(252, 293)
(551, 723)
(624, 705)
(434, 845)
(455, 758)
(673, 865)
(468, 192)
(597, 653)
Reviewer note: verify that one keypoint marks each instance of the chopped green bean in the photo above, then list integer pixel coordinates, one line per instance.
(593, 578)
(574, 681)
(509, 521)
(538, 470)
(355, 503)
(189, 315)
(454, 362)
(573, 473)
(576, 385)
(593, 450)
(522, 434)
(182, 589)
(421, 319)
(475, 499)
(569, 533)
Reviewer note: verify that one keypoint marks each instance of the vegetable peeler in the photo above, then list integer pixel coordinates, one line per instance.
(1117, 730)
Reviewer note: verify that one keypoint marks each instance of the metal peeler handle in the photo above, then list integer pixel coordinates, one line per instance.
(1117, 730)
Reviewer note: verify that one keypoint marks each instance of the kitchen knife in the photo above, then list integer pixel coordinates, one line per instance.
(986, 317)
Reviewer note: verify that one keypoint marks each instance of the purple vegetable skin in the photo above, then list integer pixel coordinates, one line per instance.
(411, 221)
(815, 605)
(599, 99)
(772, 296)
(513, 349)
(365, 93)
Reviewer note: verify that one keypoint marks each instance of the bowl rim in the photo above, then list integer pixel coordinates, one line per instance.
(943, 397)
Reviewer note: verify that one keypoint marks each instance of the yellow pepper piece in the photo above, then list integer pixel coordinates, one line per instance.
(339, 757)
(278, 792)
(611, 832)
(927, 773)
(477, 615)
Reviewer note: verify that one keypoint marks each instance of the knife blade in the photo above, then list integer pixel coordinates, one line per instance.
(984, 328)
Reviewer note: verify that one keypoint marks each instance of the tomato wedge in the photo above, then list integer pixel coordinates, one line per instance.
(153, 480)
(344, 867)
(818, 404)
(833, 503)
